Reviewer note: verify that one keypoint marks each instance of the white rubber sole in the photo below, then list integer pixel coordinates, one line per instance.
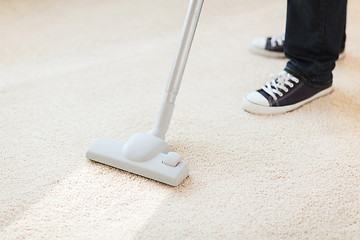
(341, 56)
(266, 110)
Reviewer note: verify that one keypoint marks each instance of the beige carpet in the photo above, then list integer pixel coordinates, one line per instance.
(75, 70)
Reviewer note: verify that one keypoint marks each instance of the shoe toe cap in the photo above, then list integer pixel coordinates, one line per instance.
(259, 43)
(257, 98)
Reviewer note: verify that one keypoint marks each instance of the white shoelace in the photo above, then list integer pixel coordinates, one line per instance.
(277, 40)
(282, 81)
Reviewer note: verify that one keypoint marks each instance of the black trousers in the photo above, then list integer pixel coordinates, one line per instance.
(315, 34)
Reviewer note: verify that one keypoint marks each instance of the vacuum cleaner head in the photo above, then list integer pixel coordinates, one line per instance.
(147, 154)
(143, 154)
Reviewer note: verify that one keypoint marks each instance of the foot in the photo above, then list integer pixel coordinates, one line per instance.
(274, 47)
(269, 47)
(283, 94)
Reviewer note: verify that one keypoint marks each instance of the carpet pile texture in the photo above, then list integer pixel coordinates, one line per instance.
(72, 71)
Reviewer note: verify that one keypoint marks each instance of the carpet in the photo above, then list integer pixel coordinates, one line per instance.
(72, 71)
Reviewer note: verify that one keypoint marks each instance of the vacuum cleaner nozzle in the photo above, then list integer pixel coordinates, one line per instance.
(143, 154)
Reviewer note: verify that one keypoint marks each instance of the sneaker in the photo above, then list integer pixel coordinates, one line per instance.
(274, 47)
(282, 94)
(269, 47)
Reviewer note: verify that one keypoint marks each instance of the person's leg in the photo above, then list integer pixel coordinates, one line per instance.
(343, 43)
(274, 46)
(314, 35)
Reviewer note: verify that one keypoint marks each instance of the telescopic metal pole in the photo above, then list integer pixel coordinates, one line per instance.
(167, 107)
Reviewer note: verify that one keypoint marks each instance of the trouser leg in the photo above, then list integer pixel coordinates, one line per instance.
(314, 36)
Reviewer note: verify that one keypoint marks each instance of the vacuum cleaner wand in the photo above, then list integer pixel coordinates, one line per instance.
(147, 154)
(177, 71)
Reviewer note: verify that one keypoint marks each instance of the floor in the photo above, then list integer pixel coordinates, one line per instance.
(73, 71)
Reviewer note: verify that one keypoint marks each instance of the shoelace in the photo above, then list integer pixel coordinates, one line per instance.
(282, 81)
(277, 41)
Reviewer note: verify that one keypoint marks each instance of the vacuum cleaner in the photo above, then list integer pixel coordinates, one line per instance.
(147, 154)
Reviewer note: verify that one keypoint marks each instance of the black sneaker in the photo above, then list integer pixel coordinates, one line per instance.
(274, 47)
(284, 93)
(269, 47)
